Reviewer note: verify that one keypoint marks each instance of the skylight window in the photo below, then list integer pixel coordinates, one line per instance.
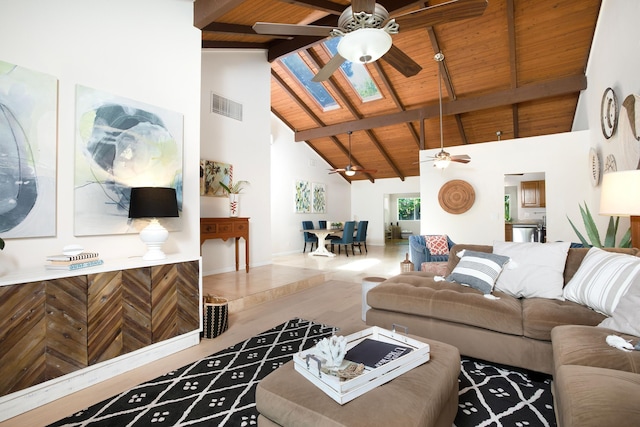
(303, 73)
(357, 74)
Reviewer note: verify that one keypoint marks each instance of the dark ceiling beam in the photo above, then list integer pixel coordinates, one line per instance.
(208, 11)
(396, 99)
(315, 60)
(531, 92)
(314, 117)
(212, 44)
(513, 64)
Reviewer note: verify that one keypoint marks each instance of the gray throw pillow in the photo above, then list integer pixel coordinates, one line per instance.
(479, 270)
(626, 316)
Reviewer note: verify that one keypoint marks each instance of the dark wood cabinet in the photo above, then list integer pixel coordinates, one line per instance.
(50, 328)
(532, 194)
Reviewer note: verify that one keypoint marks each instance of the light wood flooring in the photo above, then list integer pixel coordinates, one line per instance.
(326, 290)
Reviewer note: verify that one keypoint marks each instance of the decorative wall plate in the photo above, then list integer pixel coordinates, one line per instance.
(609, 113)
(594, 167)
(456, 196)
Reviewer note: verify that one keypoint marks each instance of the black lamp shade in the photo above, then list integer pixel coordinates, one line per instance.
(153, 202)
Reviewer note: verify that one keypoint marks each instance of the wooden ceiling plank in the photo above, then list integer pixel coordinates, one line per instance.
(531, 92)
(394, 96)
(211, 44)
(208, 11)
(315, 60)
(311, 114)
(324, 5)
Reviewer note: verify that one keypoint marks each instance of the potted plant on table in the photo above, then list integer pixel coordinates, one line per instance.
(234, 190)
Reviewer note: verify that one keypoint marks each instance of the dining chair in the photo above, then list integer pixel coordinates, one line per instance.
(309, 237)
(347, 238)
(361, 236)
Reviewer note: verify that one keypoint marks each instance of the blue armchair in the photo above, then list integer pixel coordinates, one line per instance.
(420, 253)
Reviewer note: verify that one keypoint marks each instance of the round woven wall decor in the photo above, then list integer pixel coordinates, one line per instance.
(456, 196)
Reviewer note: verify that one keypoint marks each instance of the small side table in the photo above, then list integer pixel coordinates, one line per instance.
(368, 283)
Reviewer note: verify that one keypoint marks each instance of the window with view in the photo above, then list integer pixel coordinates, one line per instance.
(409, 209)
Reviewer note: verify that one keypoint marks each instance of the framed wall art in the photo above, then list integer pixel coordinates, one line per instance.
(120, 144)
(302, 197)
(28, 117)
(211, 175)
(319, 198)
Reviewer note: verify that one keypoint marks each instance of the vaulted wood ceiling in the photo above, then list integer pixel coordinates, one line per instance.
(515, 71)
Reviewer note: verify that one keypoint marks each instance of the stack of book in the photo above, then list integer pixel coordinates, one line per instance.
(73, 262)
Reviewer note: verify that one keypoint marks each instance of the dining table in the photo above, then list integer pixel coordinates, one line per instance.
(321, 234)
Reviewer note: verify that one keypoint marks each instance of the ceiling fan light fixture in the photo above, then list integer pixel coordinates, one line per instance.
(350, 172)
(364, 45)
(441, 163)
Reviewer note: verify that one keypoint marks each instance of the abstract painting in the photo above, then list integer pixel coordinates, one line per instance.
(211, 175)
(319, 201)
(120, 144)
(302, 196)
(28, 116)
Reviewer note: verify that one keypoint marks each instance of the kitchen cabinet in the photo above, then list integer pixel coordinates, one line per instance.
(508, 232)
(532, 194)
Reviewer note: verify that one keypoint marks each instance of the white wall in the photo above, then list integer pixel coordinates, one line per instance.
(368, 203)
(146, 50)
(292, 161)
(562, 157)
(243, 77)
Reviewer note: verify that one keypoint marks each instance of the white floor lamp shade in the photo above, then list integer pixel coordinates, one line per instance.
(153, 203)
(620, 196)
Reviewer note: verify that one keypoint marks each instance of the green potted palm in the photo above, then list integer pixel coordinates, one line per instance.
(233, 191)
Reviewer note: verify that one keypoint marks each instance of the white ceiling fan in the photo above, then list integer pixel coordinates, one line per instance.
(442, 159)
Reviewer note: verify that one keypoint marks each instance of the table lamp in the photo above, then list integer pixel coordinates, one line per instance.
(620, 196)
(154, 203)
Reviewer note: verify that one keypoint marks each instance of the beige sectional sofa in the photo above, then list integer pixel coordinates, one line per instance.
(519, 332)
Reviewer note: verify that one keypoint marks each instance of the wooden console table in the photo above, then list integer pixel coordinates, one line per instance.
(224, 228)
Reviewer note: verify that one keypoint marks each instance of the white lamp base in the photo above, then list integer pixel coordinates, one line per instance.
(154, 235)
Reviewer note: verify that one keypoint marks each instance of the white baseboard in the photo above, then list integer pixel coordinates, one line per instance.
(25, 400)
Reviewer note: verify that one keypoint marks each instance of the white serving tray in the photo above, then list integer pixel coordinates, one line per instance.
(345, 391)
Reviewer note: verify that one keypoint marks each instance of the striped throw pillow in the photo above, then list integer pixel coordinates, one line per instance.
(602, 279)
(479, 270)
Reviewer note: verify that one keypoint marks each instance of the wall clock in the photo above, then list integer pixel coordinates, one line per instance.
(609, 113)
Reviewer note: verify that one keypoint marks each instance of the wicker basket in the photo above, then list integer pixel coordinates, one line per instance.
(215, 316)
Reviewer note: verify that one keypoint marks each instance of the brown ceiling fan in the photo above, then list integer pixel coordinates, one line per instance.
(442, 158)
(365, 29)
(351, 170)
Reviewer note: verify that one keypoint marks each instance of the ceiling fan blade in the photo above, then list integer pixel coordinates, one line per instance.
(454, 10)
(401, 62)
(363, 6)
(363, 170)
(329, 68)
(270, 28)
(462, 158)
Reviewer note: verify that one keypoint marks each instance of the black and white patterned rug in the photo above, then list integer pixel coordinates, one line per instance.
(219, 390)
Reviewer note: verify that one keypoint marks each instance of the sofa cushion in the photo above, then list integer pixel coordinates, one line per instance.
(602, 279)
(541, 315)
(479, 270)
(594, 397)
(437, 244)
(413, 293)
(535, 271)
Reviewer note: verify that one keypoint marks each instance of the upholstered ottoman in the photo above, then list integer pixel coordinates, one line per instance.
(424, 396)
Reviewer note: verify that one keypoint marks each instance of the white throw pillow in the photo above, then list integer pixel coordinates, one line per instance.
(602, 279)
(626, 316)
(535, 271)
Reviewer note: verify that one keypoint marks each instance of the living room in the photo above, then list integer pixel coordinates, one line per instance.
(154, 45)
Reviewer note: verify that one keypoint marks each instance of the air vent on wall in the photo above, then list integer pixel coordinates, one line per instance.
(226, 107)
